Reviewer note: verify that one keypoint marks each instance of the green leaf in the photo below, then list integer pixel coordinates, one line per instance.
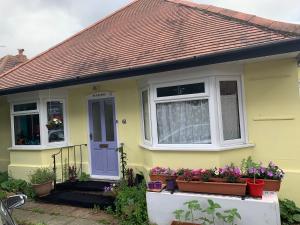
(296, 217)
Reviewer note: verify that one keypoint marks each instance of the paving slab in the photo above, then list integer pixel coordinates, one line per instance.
(51, 214)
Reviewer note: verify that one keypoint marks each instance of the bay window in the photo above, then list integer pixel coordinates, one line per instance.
(201, 113)
(38, 123)
(26, 124)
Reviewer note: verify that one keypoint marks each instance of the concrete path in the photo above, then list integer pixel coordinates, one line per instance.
(50, 214)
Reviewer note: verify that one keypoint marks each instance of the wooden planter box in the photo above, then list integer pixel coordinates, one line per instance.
(183, 223)
(212, 187)
(161, 178)
(270, 185)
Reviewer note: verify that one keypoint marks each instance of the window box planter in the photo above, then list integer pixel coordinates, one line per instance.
(212, 187)
(270, 185)
(162, 178)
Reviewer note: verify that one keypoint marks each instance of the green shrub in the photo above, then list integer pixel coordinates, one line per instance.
(14, 185)
(3, 177)
(41, 176)
(84, 177)
(18, 186)
(131, 206)
(3, 195)
(289, 212)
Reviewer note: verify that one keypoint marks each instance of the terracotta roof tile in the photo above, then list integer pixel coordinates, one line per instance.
(148, 32)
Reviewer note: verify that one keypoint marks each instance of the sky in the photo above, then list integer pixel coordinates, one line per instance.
(37, 25)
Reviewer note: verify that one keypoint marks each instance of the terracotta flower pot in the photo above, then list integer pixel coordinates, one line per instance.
(212, 187)
(255, 189)
(272, 185)
(183, 223)
(42, 189)
(162, 178)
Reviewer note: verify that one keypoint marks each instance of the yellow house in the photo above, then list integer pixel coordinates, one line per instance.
(179, 84)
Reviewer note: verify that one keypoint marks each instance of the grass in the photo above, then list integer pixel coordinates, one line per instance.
(37, 210)
(24, 222)
(103, 221)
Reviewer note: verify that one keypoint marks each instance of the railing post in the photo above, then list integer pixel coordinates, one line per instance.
(54, 170)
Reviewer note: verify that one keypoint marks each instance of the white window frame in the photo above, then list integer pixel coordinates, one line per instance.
(147, 142)
(212, 93)
(24, 113)
(41, 102)
(59, 143)
(241, 113)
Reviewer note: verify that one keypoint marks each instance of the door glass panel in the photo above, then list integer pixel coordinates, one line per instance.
(109, 120)
(96, 120)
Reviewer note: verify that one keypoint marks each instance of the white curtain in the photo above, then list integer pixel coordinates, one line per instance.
(185, 122)
(230, 117)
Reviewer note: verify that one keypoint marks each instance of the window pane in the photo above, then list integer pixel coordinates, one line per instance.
(27, 130)
(146, 116)
(181, 90)
(230, 110)
(97, 135)
(25, 107)
(55, 123)
(109, 120)
(185, 122)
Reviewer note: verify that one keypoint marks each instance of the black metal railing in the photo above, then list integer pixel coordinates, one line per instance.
(123, 157)
(68, 157)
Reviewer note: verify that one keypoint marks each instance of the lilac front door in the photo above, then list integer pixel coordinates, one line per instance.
(103, 139)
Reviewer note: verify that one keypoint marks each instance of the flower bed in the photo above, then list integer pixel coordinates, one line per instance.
(223, 181)
(212, 187)
(229, 180)
(162, 174)
(271, 174)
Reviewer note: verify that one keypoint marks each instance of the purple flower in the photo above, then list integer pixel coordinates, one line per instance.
(270, 174)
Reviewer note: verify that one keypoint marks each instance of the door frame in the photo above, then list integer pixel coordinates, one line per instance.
(98, 96)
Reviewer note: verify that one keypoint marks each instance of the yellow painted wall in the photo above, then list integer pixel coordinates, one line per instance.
(4, 134)
(273, 120)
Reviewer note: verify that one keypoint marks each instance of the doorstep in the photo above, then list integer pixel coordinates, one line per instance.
(263, 211)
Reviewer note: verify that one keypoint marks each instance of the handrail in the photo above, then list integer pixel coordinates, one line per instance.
(60, 152)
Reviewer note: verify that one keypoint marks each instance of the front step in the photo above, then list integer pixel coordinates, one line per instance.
(85, 194)
(83, 186)
(79, 199)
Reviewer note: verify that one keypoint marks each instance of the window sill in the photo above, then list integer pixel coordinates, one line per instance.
(36, 148)
(197, 149)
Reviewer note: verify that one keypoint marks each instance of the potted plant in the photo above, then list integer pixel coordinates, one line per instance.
(272, 174)
(54, 124)
(41, 181)
(212, 214)
(72, 173)
(199, 181)
(255, 186)
(162, 174)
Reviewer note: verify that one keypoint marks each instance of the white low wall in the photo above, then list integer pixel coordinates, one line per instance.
(253, 211)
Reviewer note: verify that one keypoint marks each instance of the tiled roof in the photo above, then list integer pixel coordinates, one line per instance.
(147, 32)
(9, 61)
